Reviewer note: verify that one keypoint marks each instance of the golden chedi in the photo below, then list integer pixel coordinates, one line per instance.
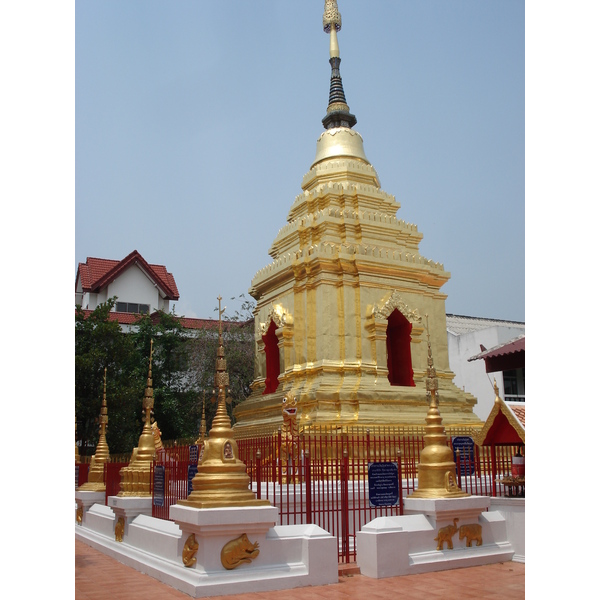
(339, 311)
(221, 480)
(95, 482)
(135, 477)
(436, 471)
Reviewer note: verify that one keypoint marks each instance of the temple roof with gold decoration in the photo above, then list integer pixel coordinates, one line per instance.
(504, 425)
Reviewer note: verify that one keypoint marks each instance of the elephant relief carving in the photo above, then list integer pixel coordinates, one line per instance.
(472, 532)
(445, 534)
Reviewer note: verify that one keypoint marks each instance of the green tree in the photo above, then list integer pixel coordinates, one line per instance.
(183, 370)
(100, 344)
(175, 396)
(238, 341)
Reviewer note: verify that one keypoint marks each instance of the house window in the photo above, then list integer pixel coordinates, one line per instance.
(514, 385)
(133, 307)
(399, 361)
(272, 359)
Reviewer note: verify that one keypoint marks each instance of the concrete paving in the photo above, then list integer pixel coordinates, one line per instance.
(99, 577)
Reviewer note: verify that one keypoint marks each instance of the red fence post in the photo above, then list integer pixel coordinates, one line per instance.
(279, 465)
(258, 475)
(458, 465)
(400, 499)
(308, 487)
(345, 507)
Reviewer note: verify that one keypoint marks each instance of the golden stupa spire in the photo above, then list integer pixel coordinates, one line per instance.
(221, 479)
(135, 477)
(338, 111)
(95, 482)
(436, 469)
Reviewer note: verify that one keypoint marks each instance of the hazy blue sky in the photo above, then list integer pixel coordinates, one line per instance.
(196, 121)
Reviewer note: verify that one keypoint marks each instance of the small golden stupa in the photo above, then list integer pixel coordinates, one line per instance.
(436, 468)
(135, 477)
(95, 482)
(221, 480)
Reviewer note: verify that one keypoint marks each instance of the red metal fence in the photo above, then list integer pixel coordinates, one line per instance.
(323, 477)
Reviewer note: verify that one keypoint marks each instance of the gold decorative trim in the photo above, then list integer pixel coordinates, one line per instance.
(393, 300)
(279, 316)
(79, 515)
(238, 551)
(120, 529)
(188, 555)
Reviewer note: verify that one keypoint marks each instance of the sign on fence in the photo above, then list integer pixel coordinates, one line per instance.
(466, 446)
(194, 454)
(383, 484)
(159, 485)
(192, 470)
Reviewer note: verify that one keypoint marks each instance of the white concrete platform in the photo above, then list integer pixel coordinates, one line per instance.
(403, 545)
(289, 556)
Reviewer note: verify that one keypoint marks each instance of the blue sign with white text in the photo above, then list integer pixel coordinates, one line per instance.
(466, 447)
(383, 484)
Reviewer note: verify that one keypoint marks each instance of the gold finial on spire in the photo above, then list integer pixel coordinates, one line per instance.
(331, 16)
(496, 391)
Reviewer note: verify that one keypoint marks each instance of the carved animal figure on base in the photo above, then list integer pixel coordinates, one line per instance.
(289, 436)
(238, 551)
(190, 548)
(472, 531)
(445, 534)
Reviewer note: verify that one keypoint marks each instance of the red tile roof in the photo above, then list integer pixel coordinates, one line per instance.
(120, 317)
(519, 410)
(97, 273)
(187, 322)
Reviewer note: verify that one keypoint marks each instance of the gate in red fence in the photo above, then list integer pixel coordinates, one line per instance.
(112, 478)
(171, 477)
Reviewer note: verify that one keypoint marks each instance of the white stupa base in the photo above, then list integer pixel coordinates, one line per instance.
(129, 507)
(85, 500)
(393, 546)
(289, 556)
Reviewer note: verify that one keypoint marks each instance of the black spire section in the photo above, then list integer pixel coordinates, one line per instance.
(338, 113)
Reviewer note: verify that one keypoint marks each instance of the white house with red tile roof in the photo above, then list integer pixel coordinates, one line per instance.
(140, 287)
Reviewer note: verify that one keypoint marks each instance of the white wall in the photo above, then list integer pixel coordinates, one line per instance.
(133, 285)
(471, 376)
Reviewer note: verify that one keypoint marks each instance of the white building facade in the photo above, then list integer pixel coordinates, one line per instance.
(469, 336)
